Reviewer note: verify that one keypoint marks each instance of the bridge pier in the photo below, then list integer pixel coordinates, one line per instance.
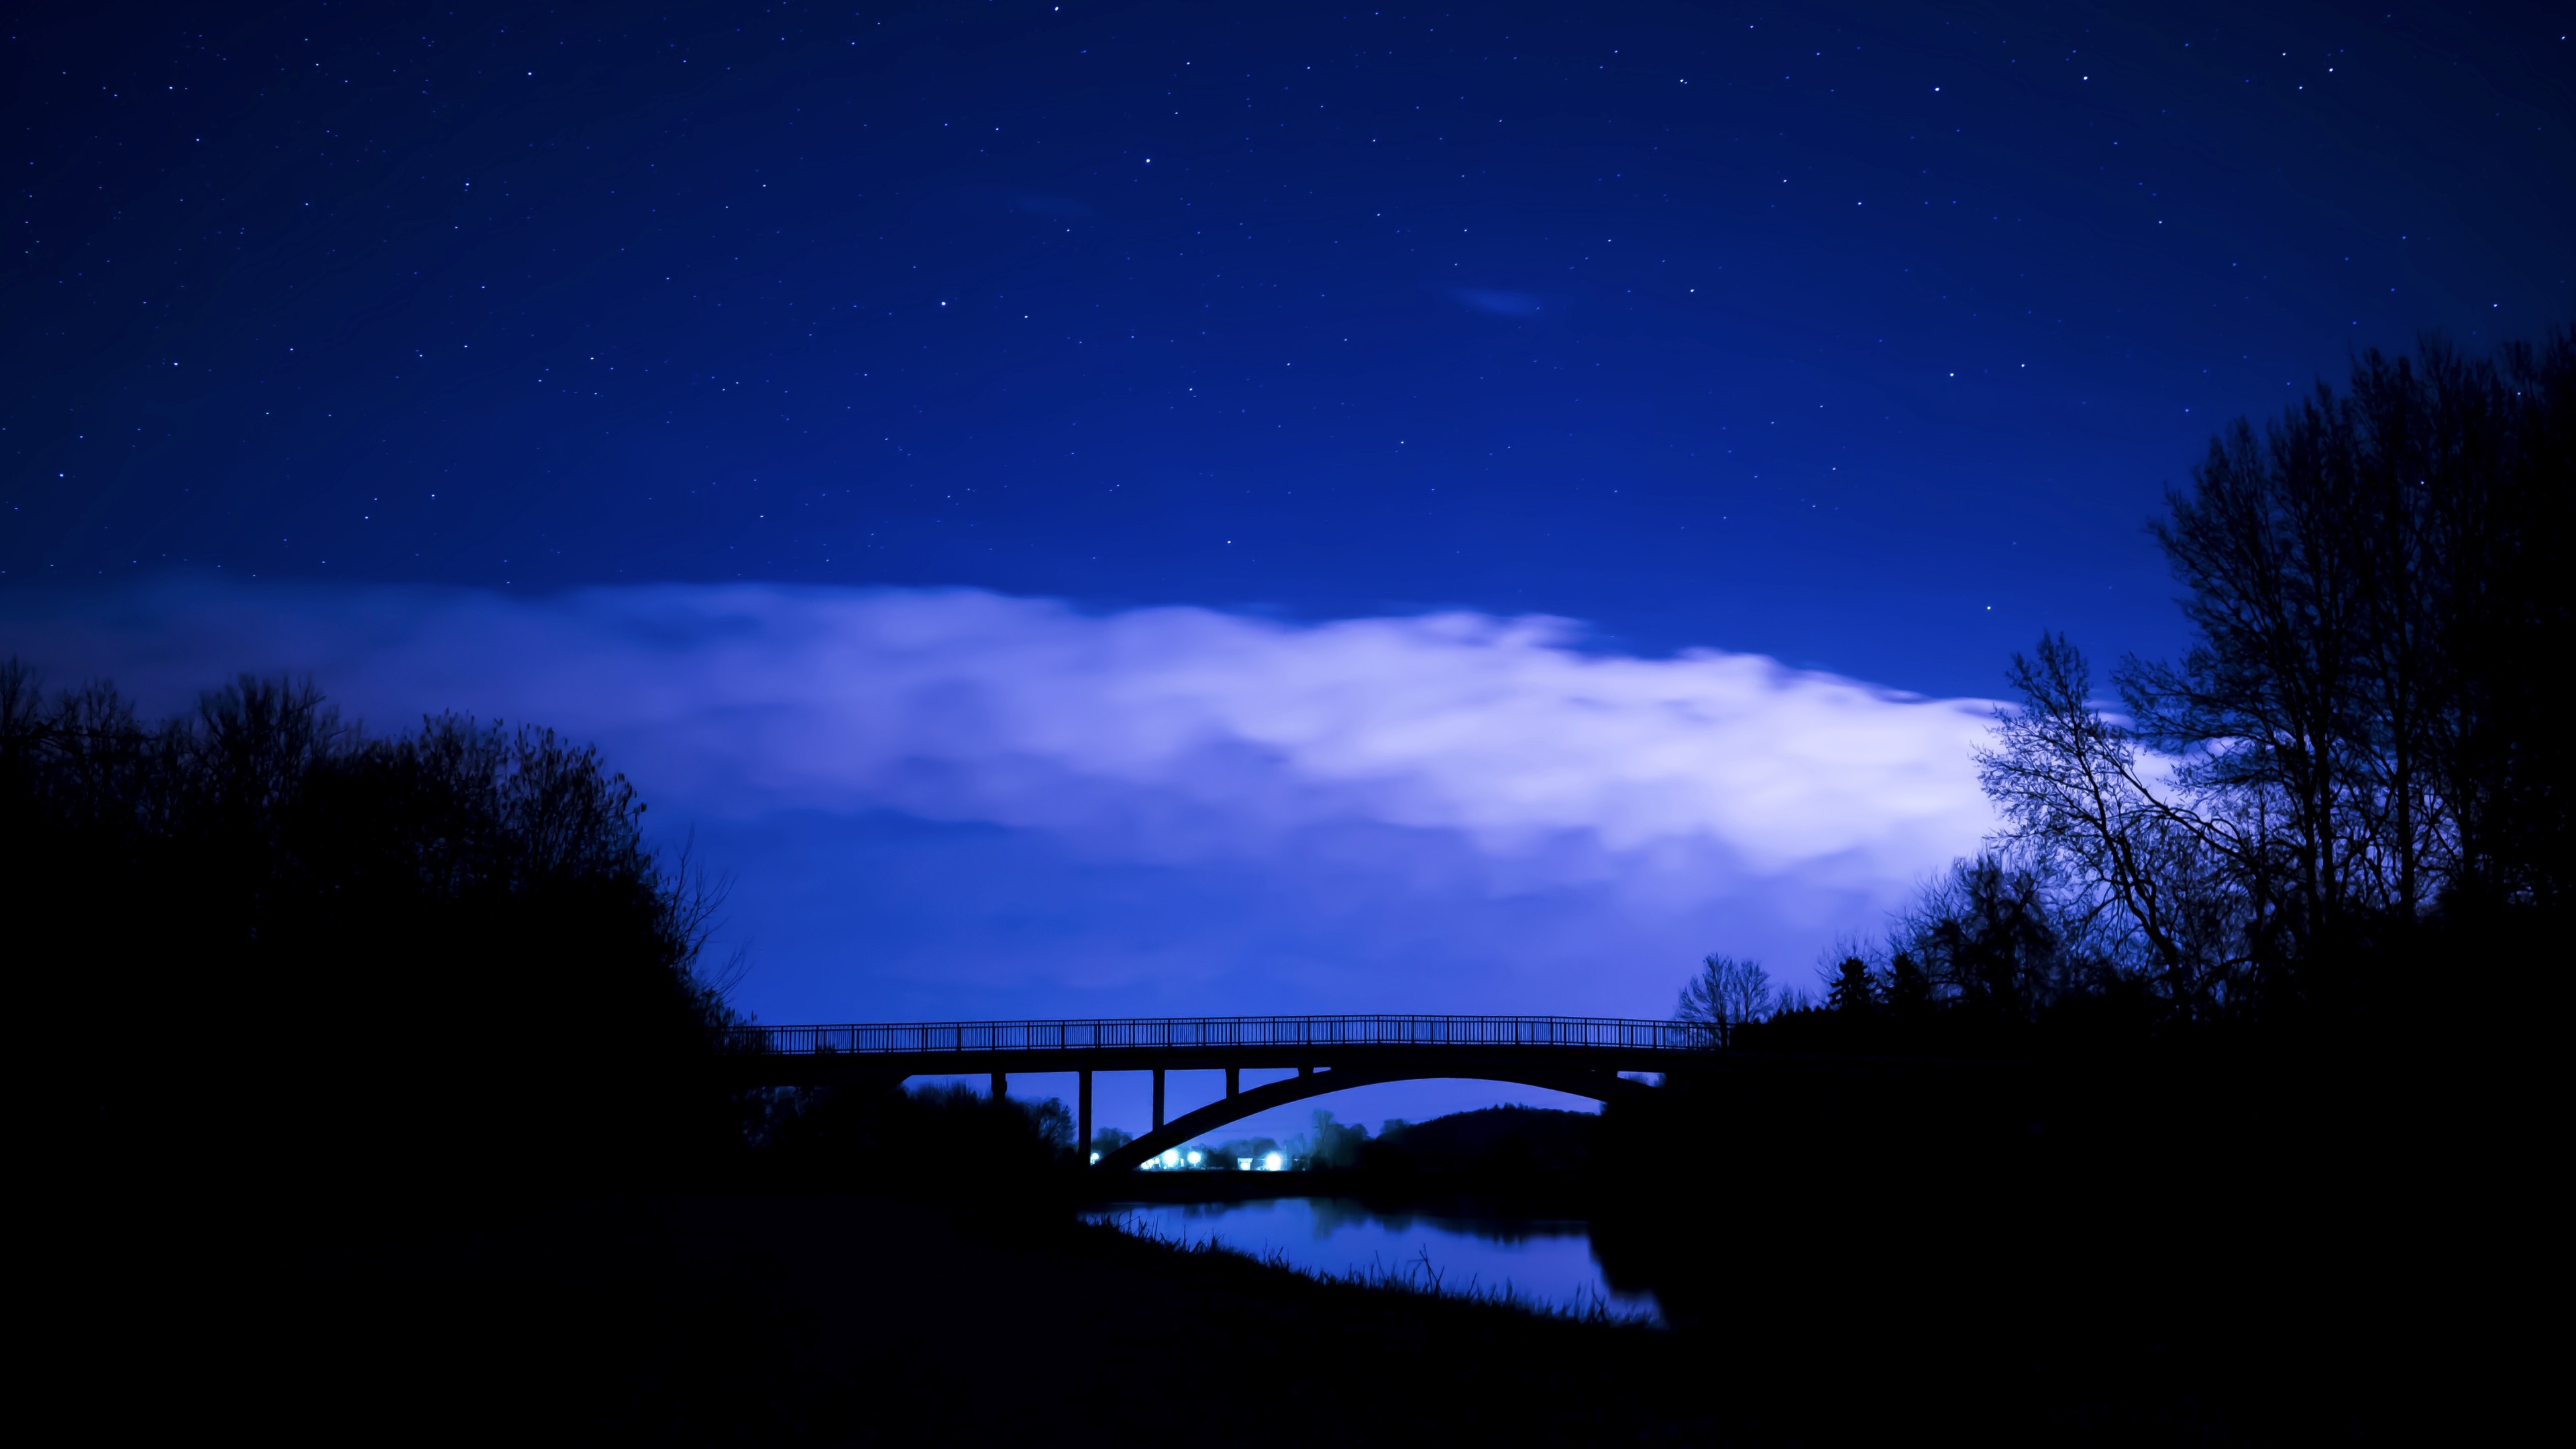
(1233, 1082)
(1082, 1145)
(1158, 1099)
(1305, 1071)
(1001, 1085)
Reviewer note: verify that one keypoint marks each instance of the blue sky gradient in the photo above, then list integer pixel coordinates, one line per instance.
(448, 357)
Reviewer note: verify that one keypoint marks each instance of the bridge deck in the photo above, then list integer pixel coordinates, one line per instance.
(1580, 1055)
(1186, 1043)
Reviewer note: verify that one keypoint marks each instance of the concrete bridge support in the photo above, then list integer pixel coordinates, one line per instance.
(1001, 1085)
(1158, 1099)
(1082, 1146)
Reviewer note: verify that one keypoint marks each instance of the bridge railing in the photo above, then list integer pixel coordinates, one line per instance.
(1218, 1032)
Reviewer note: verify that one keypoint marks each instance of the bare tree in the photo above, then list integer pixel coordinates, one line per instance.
(2370, 589)
(1989, 940)
(1726, 994)
(2359, 732)
(2272, 705)
(2150, 879)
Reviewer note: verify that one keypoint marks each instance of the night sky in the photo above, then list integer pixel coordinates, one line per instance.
(450, 356)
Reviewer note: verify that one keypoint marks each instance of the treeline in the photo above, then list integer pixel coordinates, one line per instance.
(2344, 807)
(256, 946)
(255, 938)
(939, 1140)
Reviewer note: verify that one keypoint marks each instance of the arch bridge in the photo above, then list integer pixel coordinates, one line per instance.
(1579, 1055)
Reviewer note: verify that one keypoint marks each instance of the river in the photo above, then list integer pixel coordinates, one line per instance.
(1547, 1262)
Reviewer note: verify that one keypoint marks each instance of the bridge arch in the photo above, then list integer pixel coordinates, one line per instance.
(1599, 1086)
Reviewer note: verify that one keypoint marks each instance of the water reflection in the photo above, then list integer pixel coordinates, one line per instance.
(1548, 1261)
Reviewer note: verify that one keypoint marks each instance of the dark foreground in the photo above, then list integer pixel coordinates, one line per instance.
(844, 1318)
(2124, 1254)
(785, 1317)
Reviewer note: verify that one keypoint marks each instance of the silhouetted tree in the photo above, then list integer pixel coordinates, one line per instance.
(1987, 941)
(2156, 882)
(444, 952)
(1328, 1145)
(1726, 994)
(1853, 988)
(2359, 733)
(944, 1139)
(1909, 987)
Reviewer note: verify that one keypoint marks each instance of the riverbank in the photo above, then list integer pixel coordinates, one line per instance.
(781, 1317)
(832, 1318)
(1472, 1195)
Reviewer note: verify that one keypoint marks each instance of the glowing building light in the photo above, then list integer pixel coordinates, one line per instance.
(1196, 1159)
(1095, 1158)
(1171, 1157)
(1243, 1164)
(1273, 1163)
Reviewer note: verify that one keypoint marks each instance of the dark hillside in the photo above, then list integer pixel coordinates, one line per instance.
(1497, 1141)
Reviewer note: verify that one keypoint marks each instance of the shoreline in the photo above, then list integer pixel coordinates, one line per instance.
(1568, 1198)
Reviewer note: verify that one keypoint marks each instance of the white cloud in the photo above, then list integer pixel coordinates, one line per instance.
(969, 705)
(1198, 810)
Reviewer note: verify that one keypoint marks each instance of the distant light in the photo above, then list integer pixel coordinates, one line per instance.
(1095, 1157)
(1196, 1159)
(1171, 1157)
(1243, 1164)
(1273, 1163)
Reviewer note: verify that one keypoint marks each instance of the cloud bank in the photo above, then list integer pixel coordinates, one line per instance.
(1474, 787)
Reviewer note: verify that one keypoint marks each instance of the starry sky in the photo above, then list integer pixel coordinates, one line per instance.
(1859, 340)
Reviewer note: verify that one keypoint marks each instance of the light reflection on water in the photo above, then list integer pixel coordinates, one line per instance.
(1545, 1261)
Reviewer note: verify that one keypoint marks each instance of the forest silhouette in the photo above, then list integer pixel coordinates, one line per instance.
(442, 955)
(2343, 804)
